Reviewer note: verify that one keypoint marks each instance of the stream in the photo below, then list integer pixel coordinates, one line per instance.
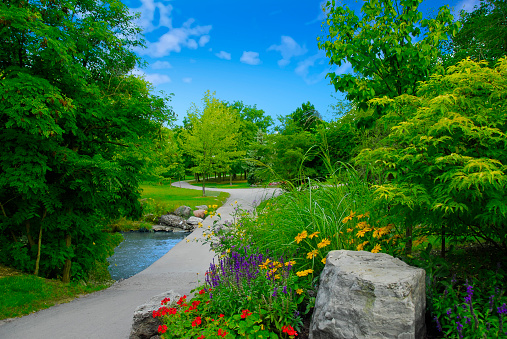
(139, 250)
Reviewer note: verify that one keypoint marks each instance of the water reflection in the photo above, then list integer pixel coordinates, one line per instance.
(139, 250)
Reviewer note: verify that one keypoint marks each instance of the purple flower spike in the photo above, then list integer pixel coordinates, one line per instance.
(502, 309)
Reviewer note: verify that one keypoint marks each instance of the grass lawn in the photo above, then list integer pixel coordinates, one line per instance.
(22, 294)
(173, 197)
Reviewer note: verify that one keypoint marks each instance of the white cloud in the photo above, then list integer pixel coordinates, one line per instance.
(175, 39)
(187, 80)
(224, 55)
(192, 44)
(204, 40)
(250, 58)
(466, 5)
(148, 9)
(303, 68)
(154, 78)
(161, 65)
(288, 48)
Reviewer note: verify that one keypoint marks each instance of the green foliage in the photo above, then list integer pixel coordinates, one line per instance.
(68, 112)
(483, 34)
(390, 47)
(304, 118)
(444, 159)
(212, 140)
(22, 294)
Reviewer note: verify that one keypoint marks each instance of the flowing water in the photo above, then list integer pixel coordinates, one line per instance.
(139, 250)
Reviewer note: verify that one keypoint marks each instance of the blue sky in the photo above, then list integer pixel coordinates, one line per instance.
(261, 52)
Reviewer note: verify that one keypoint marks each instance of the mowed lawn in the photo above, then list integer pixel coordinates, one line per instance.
(173, 197)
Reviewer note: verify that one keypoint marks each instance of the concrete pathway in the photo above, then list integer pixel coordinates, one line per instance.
(108, 313)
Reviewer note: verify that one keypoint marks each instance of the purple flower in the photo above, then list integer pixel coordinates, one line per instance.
(449, 311)
(468, 321)
(439, 326)
(274, 293)
(502, 309)
(284, 290)
(459, 327)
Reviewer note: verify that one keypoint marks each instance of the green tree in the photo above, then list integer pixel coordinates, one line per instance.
(446, 164)
(212, 140)
(304, 118)
(483, 35)
(390, 48)
(68, 112)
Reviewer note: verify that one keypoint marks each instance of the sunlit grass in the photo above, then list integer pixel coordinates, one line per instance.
(22, 294)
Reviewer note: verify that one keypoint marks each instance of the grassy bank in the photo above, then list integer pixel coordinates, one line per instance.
(22, 294)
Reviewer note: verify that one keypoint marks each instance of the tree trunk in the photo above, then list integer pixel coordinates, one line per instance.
(39, 244)
(66, 267)
(203, 185)
(408, 236)
(28, 235)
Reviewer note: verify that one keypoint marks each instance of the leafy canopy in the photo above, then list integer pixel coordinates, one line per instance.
(389, 48)
(448, 160)
(69, 111)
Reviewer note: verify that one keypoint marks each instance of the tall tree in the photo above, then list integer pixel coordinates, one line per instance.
(390, 48)
(304, 118)
(483, 35)
(445, 157)
(213, 137)
(68, 110)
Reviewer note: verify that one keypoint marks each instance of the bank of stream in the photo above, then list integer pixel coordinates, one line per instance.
(139, 250)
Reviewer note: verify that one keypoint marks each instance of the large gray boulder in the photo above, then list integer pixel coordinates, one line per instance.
(194, 221)
(144, 325)
(174, 221)
(183, 211)
(369, 295)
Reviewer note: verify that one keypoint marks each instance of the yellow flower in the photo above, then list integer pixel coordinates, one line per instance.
(209, 206)
(376, 249)
(236, 202)
(304, 273)
(209, 227)
(323, 243)
(205, 212)
(215, 206)
(312, 254)
(277, 276)
(265, 264)
(361, 246)
(362, 224)
(228, 250)
(349, 217)
(299, 291)
(188, 240)
(324, 261)
(301, 236)
(314, 234)
(94, 243)
(350, 230)
(203, 234)
(292, 263)
(218, 214)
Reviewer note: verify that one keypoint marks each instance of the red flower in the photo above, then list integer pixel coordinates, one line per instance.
(222, 333)
(162, 328)
(202, 291)
(221, 315)
(165, 301)
(289, 330)
(156, 314)
(196, 322)
(182, 300)
(245, 314)
(201, 337)
(195, 303)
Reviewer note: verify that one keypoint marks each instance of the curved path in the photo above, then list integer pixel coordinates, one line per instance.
(108, 313)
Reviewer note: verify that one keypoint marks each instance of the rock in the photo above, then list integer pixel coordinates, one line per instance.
(200, 214)
(161, 228)
(173, 221)
(194, 221)
(202, 207)
(144, 325)
(183, 211)
(369, 295)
